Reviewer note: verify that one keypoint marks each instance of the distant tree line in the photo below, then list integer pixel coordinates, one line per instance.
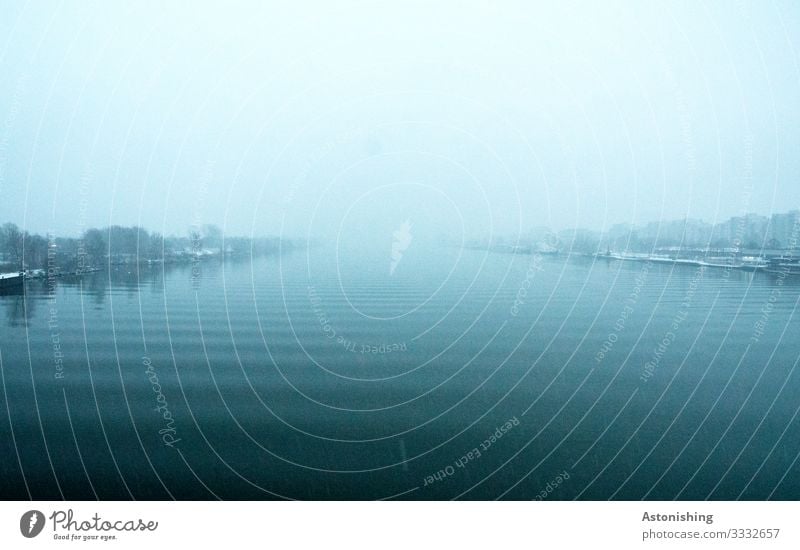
(20, 250)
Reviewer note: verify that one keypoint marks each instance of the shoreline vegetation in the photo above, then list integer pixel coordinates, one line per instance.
(749, 242)
(38, 256)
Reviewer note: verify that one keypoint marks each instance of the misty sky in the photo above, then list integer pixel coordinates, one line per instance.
(336, 118)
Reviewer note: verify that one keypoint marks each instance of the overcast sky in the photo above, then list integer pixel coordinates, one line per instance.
(464, 118)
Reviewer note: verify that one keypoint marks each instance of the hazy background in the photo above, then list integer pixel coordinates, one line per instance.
(332, 118)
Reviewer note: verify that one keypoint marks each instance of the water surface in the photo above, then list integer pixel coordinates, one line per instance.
(461, 374)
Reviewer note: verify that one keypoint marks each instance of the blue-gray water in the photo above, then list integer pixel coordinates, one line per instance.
(461, 375)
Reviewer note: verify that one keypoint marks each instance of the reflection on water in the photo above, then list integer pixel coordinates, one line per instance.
(16, 312)
(324, 376)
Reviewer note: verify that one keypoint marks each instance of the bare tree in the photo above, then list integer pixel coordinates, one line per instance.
(13, 241)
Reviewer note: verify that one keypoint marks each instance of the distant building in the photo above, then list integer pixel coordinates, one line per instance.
(750, 232)
(781, 227)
